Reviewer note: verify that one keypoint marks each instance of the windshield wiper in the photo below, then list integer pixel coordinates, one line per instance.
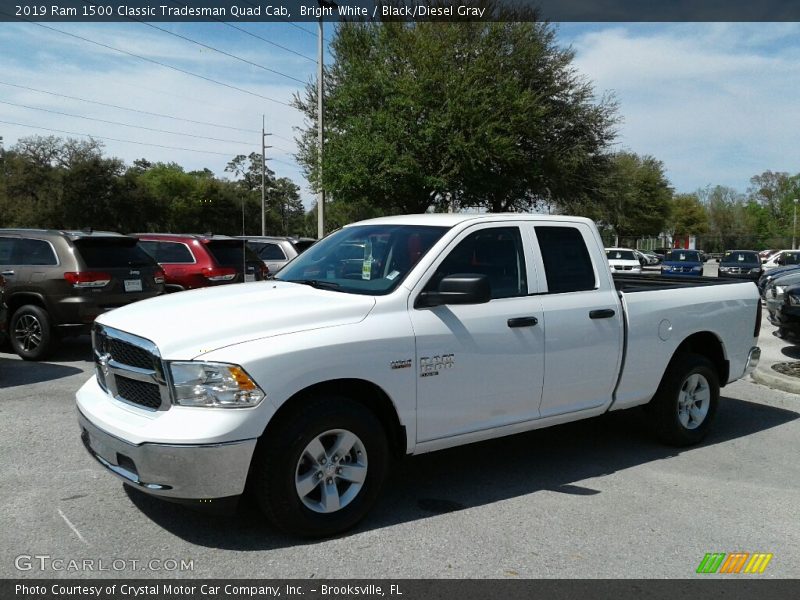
(315, 283)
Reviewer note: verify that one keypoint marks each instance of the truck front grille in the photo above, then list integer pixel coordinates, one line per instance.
(128, 354)
(139, 392)
(129, 368)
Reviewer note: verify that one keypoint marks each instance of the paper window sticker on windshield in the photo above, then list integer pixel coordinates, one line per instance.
(366, 269)
(741, 258)
(392, 275)
(683, 257)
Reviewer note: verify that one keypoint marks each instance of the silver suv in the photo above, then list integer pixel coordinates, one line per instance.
(276, 251)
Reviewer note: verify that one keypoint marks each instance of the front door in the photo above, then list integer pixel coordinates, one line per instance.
(480, 366)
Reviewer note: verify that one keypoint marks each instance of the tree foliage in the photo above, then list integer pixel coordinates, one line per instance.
(55, 183)
(490, 115)
(687, 216)
(638, 196)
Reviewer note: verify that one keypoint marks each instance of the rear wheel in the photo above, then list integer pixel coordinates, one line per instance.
(320, 471)
(30, 332)
(684, 406)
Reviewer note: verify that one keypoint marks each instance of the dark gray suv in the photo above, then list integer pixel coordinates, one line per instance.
(57, 282)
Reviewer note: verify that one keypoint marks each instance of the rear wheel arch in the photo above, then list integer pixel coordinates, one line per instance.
(708, 345)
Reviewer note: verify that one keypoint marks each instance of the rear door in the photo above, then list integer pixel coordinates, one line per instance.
(582, 326)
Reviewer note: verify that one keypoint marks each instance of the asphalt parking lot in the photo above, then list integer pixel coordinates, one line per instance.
(597, 498)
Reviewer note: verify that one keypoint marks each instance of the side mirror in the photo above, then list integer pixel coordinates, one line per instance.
(461, 288)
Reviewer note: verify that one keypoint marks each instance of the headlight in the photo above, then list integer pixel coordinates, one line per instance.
(666, 268)
(779, 289)
(754, 271)
(213, 384)
(724, 269)
(697, 268)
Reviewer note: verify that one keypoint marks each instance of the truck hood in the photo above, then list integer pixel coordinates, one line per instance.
(186, 324)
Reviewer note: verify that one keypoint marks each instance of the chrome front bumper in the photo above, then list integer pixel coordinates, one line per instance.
(752, 360)
(181, 471)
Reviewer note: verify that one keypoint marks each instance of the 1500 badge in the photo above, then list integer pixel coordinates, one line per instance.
(432, 365)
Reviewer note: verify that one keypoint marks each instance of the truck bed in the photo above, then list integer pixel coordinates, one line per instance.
(644, 283)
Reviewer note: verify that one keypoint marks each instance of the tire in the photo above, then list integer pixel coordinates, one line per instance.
(30, 332)
(299, 478)
(678, 419)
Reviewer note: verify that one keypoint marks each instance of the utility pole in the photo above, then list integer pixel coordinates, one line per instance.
(264, 147)
(320, 191)
(794, 226)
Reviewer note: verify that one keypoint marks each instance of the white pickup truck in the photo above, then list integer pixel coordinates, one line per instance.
(394, 336)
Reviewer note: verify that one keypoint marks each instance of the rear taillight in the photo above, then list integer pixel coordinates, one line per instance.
(219, 273)
(158, 277)
(758, 320)
(88, 279)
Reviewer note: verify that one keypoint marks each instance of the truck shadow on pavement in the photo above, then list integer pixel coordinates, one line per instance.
(551, 459)
(17, 372)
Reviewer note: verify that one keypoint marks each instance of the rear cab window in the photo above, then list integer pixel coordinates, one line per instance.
(567, 264)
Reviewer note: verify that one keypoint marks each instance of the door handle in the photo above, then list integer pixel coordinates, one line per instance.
(523, 322)
(7, 273)
(603, 313)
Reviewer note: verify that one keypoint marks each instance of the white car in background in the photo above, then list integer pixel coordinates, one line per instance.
(782, 258)
(623, 260)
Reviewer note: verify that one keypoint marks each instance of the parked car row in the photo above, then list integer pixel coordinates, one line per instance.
(54, 283)
(58, 282)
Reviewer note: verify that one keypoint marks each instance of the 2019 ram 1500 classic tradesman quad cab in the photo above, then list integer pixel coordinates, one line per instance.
(445, 330)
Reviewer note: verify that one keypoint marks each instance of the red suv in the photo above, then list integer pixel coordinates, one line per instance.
(194, 261)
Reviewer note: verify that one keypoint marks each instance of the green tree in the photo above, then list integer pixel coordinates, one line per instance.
(687, 216)
(638, 196)
(469, 114)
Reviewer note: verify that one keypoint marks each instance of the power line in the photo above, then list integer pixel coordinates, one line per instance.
(303, 29)
(277, 160)
(223, 52)
(150, 60)
(64, 114)
(135, 110)
(111, 139)
(250, 33)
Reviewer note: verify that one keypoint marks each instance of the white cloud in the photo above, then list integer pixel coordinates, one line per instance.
(716, 102)
(37, 58)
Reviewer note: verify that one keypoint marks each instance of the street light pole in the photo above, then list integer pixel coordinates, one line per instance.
(794, 226)
(263, 178)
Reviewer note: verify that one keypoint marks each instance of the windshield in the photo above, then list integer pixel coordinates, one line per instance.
(363, 259)
(620, 255)
(682, 256)
(736, 258)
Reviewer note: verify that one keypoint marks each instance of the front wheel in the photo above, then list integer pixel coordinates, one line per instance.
(320, 471)
(30, 333)
(686, 401)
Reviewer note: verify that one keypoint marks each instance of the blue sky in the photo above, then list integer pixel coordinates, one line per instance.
(717, 103)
